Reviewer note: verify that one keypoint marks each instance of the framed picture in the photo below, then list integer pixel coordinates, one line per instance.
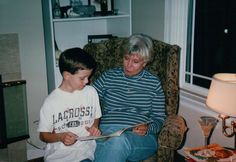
(98, 38)
(80, 2)
(64, 3)
(105, 6)
(96, 4)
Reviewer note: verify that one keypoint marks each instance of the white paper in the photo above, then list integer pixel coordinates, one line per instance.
(115, 134)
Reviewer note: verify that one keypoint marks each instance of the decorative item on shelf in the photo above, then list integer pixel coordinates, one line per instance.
(75, 3)
(103, 7)
(80, 9)
(64, 11)
(115, 11)
(98, 38)
(207, 124)
(222, 99)
(64, 6)
(56, 10)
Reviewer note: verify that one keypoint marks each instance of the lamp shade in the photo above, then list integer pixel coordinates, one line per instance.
(222, 94)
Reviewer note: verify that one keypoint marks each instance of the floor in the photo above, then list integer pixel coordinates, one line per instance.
(16, 153)
(178, 158)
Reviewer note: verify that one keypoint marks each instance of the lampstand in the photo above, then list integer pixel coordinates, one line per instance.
(225, 127)
(222, 99)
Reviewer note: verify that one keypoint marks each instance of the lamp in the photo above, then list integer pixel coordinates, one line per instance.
(222, 99)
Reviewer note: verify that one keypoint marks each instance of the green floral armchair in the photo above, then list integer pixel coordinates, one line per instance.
(166, 65)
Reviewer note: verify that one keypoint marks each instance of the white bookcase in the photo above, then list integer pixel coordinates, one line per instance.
(74, 31)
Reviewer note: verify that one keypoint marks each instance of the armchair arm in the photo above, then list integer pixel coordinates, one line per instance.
(173, 132)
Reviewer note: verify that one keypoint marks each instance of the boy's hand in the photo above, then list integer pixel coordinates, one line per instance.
(94, 131)
(67, 138)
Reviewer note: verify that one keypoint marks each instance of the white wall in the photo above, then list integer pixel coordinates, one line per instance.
(148, 17)
(25, 18)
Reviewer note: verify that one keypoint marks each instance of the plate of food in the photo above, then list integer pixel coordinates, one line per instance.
(211, 153)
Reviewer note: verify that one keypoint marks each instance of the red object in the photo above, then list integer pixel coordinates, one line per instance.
(190, 160)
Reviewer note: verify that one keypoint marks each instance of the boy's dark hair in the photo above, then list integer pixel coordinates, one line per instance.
(74, 59)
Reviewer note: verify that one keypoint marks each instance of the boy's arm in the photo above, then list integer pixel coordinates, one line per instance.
(49, 137)
(94, 130)
(96, 123)
(67, 138)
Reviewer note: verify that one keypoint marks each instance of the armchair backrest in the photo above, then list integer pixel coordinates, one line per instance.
(165, 65)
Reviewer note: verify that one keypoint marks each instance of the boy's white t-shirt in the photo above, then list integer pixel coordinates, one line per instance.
(62, 112)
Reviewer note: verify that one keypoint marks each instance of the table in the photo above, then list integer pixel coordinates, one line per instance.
(191, 160)
(179, 158)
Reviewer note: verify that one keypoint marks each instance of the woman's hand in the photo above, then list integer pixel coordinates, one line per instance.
(141, 129)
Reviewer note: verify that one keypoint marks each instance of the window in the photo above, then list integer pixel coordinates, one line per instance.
(206, 32)
(211, 38)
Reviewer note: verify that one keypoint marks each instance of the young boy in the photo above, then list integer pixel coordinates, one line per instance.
(71, 111)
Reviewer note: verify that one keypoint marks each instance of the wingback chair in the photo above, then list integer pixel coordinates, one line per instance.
(166, 65)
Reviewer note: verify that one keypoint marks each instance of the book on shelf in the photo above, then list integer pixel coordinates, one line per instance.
(114, 134)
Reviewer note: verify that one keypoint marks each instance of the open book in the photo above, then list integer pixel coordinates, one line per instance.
(115, 134)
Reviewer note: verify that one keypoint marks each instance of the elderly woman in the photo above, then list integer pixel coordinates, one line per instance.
(130, 95)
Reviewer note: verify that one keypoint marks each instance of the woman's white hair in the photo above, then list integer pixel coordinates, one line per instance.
(140, 44)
